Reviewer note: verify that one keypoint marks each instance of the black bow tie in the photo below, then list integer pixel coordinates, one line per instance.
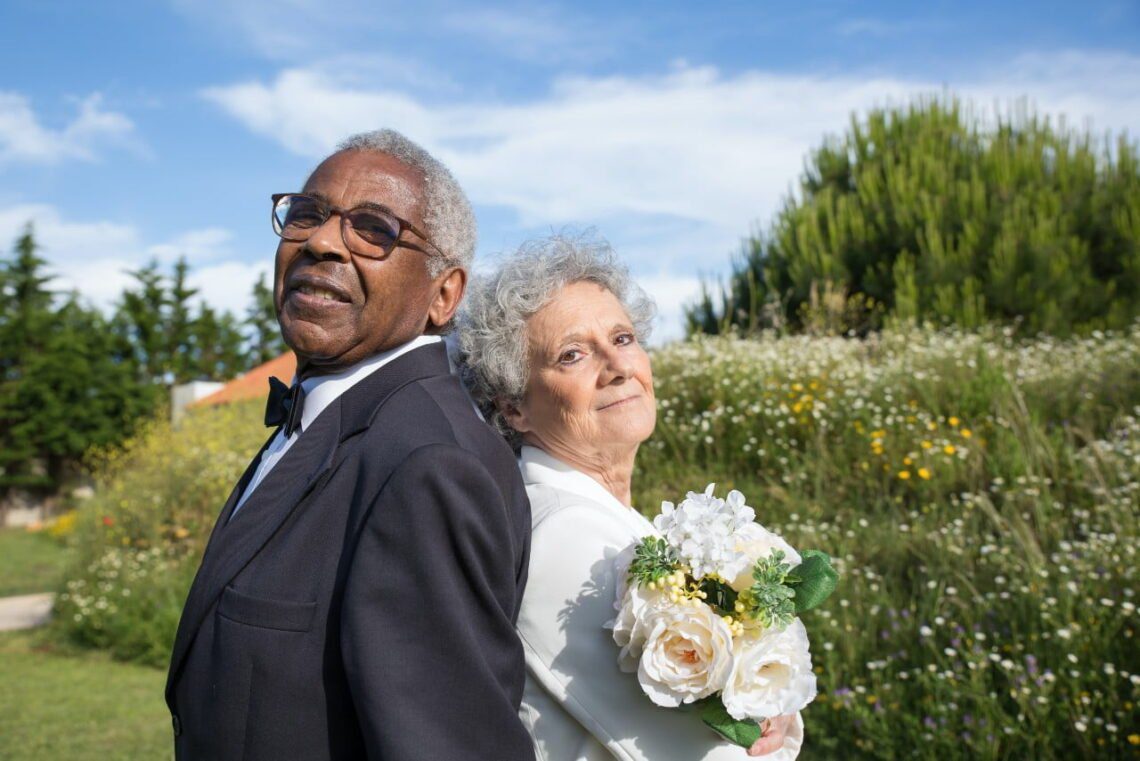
(284, 406)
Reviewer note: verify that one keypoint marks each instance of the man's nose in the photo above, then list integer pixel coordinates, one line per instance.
(327, 241)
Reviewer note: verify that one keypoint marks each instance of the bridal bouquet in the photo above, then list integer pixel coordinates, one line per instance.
(707, 614)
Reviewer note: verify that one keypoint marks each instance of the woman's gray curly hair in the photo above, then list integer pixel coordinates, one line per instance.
(493, 323)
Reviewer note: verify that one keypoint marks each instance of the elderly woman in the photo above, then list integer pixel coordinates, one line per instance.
(553, 352)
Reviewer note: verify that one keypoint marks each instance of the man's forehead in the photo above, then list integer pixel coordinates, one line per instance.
(367, 176)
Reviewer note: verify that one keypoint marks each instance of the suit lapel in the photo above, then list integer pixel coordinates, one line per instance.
(234, 543)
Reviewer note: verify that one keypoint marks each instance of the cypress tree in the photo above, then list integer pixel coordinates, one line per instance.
(929, 213)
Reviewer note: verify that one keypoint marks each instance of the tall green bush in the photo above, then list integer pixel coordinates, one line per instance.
(931, 213)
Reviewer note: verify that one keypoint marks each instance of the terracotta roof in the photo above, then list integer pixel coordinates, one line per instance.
(254, 384)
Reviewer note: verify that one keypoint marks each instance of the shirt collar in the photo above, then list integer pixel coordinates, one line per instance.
(323, 390)
(539, 467)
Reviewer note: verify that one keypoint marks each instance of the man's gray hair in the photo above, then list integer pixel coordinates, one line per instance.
(448, 218)
(493, 323)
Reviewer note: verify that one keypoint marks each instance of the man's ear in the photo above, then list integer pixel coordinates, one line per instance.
(449, 292)
(514, 416)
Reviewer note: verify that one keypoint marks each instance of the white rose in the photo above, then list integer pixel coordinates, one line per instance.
(687, 654)
(771, 674)
(630, 626)
(755, 542)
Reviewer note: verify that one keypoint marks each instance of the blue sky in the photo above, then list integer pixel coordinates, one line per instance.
(138, 130)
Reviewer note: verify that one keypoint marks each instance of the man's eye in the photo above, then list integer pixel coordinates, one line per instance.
(304, 217)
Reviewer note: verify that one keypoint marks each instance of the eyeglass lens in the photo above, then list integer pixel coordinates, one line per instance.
(298, 216)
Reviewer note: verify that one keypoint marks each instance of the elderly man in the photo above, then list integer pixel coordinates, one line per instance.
(358, 595)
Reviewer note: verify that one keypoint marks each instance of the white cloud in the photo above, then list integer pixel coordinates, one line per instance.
(693, 143)
(672, 293)
(531, 32)
(24, 139)
(95, 258)
(692, 159)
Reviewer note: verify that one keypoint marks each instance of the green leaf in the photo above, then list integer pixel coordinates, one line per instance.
(721, 597)
(743, 733)
(813, 580)
(653, 559)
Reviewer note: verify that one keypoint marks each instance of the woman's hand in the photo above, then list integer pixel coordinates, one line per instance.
(772, 733)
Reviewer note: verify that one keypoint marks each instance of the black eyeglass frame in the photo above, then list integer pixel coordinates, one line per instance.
(328, 210)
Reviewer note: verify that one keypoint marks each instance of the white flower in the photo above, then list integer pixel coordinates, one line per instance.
(755, 542)
(687, 653)
(703, 527)
(772, 675)
(631, 626)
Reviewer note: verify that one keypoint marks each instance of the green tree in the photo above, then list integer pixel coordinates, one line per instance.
(141, 319)
(219, 346)
(928, 213)
(25, 319)
(265, 340)
(179, 324)
(65, 386)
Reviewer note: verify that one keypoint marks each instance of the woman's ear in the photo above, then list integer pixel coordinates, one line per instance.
(449, 292)
(513, 414)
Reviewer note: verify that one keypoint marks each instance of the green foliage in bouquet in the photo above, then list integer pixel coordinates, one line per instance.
(770, 600)
(813, 580)
(716, 716)
(653, 560)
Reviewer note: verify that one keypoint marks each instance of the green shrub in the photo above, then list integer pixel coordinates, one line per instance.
(927, 212)
(140, 538)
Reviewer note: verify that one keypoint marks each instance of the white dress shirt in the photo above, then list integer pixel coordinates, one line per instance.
(320, 392)
(577, 704)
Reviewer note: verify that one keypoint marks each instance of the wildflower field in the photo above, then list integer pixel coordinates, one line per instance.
(978, 494)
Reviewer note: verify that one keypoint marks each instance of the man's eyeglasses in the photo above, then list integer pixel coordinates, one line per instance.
(370, 231)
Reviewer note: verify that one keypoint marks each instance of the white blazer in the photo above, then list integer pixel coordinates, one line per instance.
(577, 704)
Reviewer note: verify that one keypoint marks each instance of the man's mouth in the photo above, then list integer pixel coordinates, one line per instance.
(315, 292)
(320, 293)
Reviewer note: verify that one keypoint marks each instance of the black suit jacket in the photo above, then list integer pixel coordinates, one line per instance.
(362, 602)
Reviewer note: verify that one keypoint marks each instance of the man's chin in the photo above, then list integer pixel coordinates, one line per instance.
(314, 345)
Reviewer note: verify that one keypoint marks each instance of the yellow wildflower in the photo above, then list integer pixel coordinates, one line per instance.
(966, 433)
(949, 449)
(924, 474)
(904, 475)
(932, 426)
(907, 461)
(954, 421)
(927, 444)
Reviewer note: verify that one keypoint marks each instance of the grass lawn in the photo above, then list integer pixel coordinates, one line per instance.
(78, 706)
(29, 562)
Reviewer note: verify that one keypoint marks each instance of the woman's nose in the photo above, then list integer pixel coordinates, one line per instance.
(616, 366)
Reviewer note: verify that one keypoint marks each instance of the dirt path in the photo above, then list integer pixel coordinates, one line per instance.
(25, 611)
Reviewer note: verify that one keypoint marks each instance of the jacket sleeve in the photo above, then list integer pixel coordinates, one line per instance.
(571, 654)
(434, 665)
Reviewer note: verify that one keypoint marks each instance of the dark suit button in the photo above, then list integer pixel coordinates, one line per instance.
(174, 720)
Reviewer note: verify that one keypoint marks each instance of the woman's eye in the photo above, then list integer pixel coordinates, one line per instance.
(625, 338)
(569, 356)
